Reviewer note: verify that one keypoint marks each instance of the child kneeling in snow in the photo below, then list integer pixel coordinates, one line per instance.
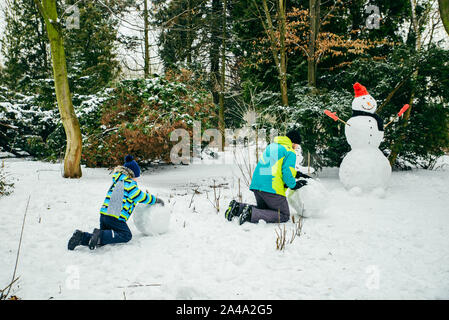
(120, 201)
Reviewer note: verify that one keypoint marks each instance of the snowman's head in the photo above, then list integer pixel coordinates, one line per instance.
(363, 101)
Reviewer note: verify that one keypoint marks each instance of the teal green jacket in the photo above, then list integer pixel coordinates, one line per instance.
(276, 168)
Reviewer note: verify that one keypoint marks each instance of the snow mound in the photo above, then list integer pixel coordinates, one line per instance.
(365, 168)
(151, 219)
(308, 200)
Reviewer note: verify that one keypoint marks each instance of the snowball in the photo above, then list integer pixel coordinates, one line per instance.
(151, 219)
(365, 168)
(308, 200)
(295, 202)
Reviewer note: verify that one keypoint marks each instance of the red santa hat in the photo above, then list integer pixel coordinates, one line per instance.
(359, 90)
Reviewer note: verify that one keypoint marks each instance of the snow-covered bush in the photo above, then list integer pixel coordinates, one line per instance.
(139, 115)
(32, 124)
(321, 136)
(6, 187)
(26, 125)
(135, 116)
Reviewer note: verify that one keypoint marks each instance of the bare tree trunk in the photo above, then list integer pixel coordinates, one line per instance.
(189, 33)
(221, 123)
(146, 67)
(314, 12)
(279, 55)
(283, 54)
(72, 167)
(214, 52)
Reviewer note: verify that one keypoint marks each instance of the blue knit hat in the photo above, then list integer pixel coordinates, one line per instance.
(132, 164)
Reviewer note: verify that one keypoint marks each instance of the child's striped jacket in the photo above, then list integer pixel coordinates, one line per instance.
(123, 196)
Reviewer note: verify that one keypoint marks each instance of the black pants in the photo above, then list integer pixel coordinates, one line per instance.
(112, 229)
(270, 207)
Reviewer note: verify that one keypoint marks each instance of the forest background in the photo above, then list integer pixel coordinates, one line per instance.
(137, 70)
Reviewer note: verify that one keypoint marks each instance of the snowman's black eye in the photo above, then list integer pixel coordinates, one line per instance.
(363, 98)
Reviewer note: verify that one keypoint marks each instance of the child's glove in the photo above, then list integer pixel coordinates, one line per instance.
(299, 184)
(302, 175)
(160, 201)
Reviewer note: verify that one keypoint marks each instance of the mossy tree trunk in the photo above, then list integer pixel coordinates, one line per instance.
(72, 158)
(444, 13)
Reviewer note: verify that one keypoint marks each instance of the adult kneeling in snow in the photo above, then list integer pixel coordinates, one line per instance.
(120, 201)
(274, 173)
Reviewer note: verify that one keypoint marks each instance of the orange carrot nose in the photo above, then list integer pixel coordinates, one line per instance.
(369, 103)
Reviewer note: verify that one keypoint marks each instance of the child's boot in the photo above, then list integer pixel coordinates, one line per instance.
(75, 240)
(232, 210)
(95, 239)
(246, 215)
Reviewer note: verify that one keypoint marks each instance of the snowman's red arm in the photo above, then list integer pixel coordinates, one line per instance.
(333, 115)
(403, 109)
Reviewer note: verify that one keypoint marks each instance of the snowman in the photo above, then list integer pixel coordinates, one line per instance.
(364, 168)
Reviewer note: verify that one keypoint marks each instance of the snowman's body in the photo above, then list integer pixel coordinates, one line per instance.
(363, 132)
(365, 167)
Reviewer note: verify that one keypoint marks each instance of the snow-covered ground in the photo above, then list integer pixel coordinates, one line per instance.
(360, 247)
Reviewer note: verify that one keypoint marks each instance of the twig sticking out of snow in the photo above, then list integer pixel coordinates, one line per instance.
(193, 195)
(297, 231)
(216, 202)
(4, 296)
(18, 253)
(239, 195)
(245, 166)
(281, 236)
